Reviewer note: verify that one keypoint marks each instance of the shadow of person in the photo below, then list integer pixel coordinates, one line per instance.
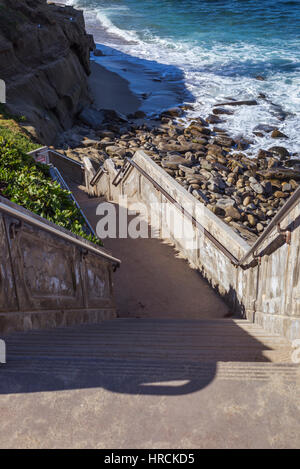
(163, 357)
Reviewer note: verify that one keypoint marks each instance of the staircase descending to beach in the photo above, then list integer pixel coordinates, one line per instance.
(165, 309)
(175, 369)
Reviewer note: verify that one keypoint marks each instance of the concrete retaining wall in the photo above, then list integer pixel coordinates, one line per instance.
(267, 293)
(48, 281)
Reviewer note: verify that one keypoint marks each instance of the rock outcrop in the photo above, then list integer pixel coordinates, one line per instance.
(44, 60)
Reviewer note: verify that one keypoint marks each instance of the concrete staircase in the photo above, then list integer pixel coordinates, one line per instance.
(243, 349)
(154, 281)
(173, 371)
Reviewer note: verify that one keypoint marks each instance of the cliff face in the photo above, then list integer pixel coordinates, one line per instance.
(44, 60)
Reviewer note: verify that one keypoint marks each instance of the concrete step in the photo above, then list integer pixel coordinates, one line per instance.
(167, 379)
(155, 370)
(153, 280)
(139, 339)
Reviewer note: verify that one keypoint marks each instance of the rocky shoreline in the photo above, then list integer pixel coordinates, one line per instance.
(245, 192)
(51, 89)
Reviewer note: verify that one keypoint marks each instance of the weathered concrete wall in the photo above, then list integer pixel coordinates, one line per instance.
(268, 293)
(48, 281)
(278, 295)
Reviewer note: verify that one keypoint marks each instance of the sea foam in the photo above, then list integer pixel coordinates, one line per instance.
(212, 71)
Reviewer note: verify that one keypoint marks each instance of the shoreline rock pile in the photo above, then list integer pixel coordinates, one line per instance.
(245, 192)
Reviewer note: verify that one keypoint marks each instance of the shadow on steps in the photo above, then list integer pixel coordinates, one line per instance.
(161, 357)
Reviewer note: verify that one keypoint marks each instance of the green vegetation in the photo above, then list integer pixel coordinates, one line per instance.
(11, 130)
(28, 183)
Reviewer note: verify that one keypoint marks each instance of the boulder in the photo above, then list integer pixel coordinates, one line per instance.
(265, 128)
(173, 112)
(280, 151)
(225, 203)
(91, 117)
(259, 227)
(251, 102)
(216, 184)
(212, 119)
(112, 115)
(224, 141)
(183, 148)
(232, 212)
(286, 187)
(256, 186)
(277, 134)
(219, 110)
(188, 170)
(251, 219)
(196, 179)
(279, 173)
(199, 128)
(264, 154)
(115, 150)
(173, 161)
(98, 53)
(280, 195)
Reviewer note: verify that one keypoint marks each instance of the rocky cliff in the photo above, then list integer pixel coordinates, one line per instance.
(44, 60)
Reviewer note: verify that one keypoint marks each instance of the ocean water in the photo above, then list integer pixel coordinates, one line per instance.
(215, 49)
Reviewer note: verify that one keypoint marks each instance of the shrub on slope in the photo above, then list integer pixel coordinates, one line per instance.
(28, 183)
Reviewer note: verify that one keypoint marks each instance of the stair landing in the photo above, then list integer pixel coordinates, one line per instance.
(150, 383)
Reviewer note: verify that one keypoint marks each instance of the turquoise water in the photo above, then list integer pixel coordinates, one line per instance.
(219, 48)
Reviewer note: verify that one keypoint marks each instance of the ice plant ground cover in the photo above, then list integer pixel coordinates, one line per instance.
(28, 183)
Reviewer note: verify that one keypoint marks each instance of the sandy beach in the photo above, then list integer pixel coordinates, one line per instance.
(125, 82)
(120, 73)
(110, 91)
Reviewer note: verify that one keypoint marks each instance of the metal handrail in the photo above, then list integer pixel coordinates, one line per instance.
(56, 175)
(97, 176)
(275, 223)
(52, 229)
(64, 157)
(283, 212)
(14, 212)
(198, 225)
(54, 152)
(122, 173)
